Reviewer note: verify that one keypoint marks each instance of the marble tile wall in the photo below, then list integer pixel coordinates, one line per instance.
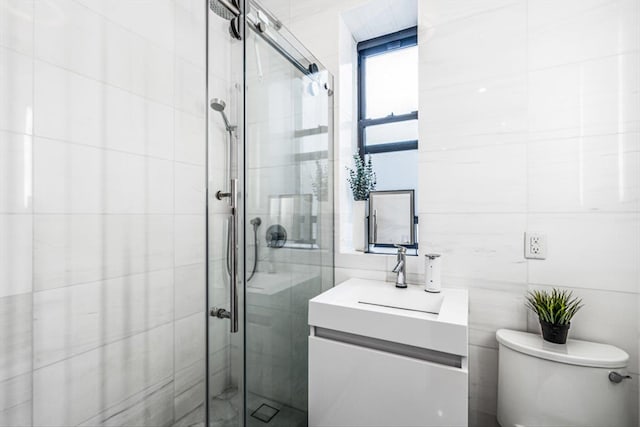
(102, 139)
(548, 142)
(530, 116)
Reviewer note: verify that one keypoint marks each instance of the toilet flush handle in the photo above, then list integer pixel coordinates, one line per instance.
(617, 378)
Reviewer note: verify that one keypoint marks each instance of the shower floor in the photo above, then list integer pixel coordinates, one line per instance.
(226, 409)
(286, 416)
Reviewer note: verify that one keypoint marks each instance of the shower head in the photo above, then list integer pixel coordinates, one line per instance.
(226, 9)
(218, 105)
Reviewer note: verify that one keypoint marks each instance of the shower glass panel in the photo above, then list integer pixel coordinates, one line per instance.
(288, 175)
(270, 132)
(289, 256)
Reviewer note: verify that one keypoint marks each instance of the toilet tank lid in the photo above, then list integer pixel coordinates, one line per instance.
(574, 352)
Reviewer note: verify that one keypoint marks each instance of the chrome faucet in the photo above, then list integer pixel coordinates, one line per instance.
(401, 267)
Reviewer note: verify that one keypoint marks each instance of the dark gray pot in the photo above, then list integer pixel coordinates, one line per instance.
(556, 334)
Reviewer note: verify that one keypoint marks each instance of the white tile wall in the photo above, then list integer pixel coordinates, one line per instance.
(16, 250)
(189, 294)
(15, 319)
(483, 246)
(73, 249)
(78, 179)
(575, 30)
(83, 41)
(478, 180)
(529, 121)
(16, 85)
(98, 379)
(190, 131)
(595, 251)
(102, 142)
(597, 96)
(597, 173)
(15, 395)
(15, 168)
(16, 228)
(98, 313)
(99, 115)
(475, 113)
(469, 49)
(190, 240)
(190, 182)
(16, 30)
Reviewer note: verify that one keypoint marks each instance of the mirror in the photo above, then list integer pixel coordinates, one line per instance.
(391, 217)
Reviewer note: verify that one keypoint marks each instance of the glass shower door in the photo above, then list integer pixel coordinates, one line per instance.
(270, 133)
(288, 229)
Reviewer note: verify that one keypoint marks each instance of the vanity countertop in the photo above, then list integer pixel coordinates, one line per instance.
(409, 316)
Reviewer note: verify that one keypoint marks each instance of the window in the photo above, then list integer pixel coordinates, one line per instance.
(388, 111)
(388, 107)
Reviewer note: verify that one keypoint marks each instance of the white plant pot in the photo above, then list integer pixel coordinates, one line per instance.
(359, 224)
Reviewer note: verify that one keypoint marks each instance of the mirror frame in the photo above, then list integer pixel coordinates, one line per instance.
(372, 220)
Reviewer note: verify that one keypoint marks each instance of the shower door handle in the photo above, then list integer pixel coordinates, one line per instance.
(232, 314)
(233, 294)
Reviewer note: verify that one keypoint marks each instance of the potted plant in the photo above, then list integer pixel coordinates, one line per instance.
(555, 310)
(362, 181)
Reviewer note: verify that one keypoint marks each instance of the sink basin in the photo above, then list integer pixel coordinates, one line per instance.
(393, 297)
(408, 316)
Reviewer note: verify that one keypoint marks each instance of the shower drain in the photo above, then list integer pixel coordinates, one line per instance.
(265, 413)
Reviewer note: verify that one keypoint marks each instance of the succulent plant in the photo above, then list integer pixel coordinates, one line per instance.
(362, 179)
(556, 307)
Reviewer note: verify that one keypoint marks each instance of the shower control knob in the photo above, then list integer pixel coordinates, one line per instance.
(617, 378)
(220, 313)
(222, 195)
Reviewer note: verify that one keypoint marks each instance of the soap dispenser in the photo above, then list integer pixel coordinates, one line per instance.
(432, 269)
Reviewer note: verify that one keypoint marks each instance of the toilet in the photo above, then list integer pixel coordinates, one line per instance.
(546, 384)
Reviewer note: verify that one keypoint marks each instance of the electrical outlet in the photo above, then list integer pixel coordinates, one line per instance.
(535, 246)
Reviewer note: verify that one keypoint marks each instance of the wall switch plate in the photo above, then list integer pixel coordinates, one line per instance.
(535, 246)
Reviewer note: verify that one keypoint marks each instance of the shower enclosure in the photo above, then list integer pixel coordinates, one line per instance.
(166, 213)
(270, 216)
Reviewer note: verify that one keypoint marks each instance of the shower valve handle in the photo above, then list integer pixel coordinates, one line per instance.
(222, 195)
(220, 313)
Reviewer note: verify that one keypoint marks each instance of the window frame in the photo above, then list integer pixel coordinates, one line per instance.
(387, 43)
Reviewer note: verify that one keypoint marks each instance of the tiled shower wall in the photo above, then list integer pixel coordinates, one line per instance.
(102, 130)
(529, 120)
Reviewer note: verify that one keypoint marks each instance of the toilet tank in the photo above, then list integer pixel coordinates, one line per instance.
(546, 384)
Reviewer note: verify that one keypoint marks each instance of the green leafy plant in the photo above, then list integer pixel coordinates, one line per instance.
(320, 184)
(556, 307)
(362, 179)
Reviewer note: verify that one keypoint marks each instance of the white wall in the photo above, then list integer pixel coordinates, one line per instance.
(530, 114)
(102, 132)
(529, 120)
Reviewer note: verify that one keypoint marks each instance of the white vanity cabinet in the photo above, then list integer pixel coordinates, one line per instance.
(383, 356)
